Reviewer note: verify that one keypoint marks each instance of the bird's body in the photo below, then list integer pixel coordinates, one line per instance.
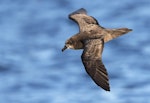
(91, 39)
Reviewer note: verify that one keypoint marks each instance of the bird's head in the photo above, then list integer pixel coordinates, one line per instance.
(69, 44)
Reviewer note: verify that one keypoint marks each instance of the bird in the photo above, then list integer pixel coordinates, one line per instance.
(91, 38)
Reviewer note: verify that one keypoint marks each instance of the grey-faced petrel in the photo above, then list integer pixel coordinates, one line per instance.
(91, 39)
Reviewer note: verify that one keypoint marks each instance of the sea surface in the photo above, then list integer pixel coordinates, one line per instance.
(34, 70)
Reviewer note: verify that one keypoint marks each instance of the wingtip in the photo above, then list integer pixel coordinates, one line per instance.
(82, 9)
(79, 11)
(130, 29)
(106, 88)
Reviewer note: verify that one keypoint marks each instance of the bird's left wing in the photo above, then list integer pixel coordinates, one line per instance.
(91, 59)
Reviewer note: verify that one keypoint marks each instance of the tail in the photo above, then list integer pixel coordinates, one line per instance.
(114, 33)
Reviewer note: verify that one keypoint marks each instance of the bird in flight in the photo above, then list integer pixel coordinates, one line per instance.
(91, 39)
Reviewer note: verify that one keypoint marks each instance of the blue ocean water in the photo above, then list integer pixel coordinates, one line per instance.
(34, 70)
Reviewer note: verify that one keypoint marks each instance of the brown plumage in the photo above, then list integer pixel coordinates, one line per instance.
(91, 38)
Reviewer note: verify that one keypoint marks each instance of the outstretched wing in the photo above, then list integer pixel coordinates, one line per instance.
(82, 19)
(91, 59)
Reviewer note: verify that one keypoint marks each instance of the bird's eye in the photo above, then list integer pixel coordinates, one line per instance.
(70, 43)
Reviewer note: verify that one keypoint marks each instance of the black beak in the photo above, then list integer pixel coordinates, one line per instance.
(64, 48)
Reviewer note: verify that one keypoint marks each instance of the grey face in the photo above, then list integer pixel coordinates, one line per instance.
(68, 45)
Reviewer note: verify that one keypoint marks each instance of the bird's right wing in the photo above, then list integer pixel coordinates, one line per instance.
(82, 19)
(91, 59)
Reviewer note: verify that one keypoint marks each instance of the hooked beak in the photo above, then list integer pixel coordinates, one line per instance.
(65, 47)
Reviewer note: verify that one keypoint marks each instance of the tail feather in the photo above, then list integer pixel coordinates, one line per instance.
(114, 33)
